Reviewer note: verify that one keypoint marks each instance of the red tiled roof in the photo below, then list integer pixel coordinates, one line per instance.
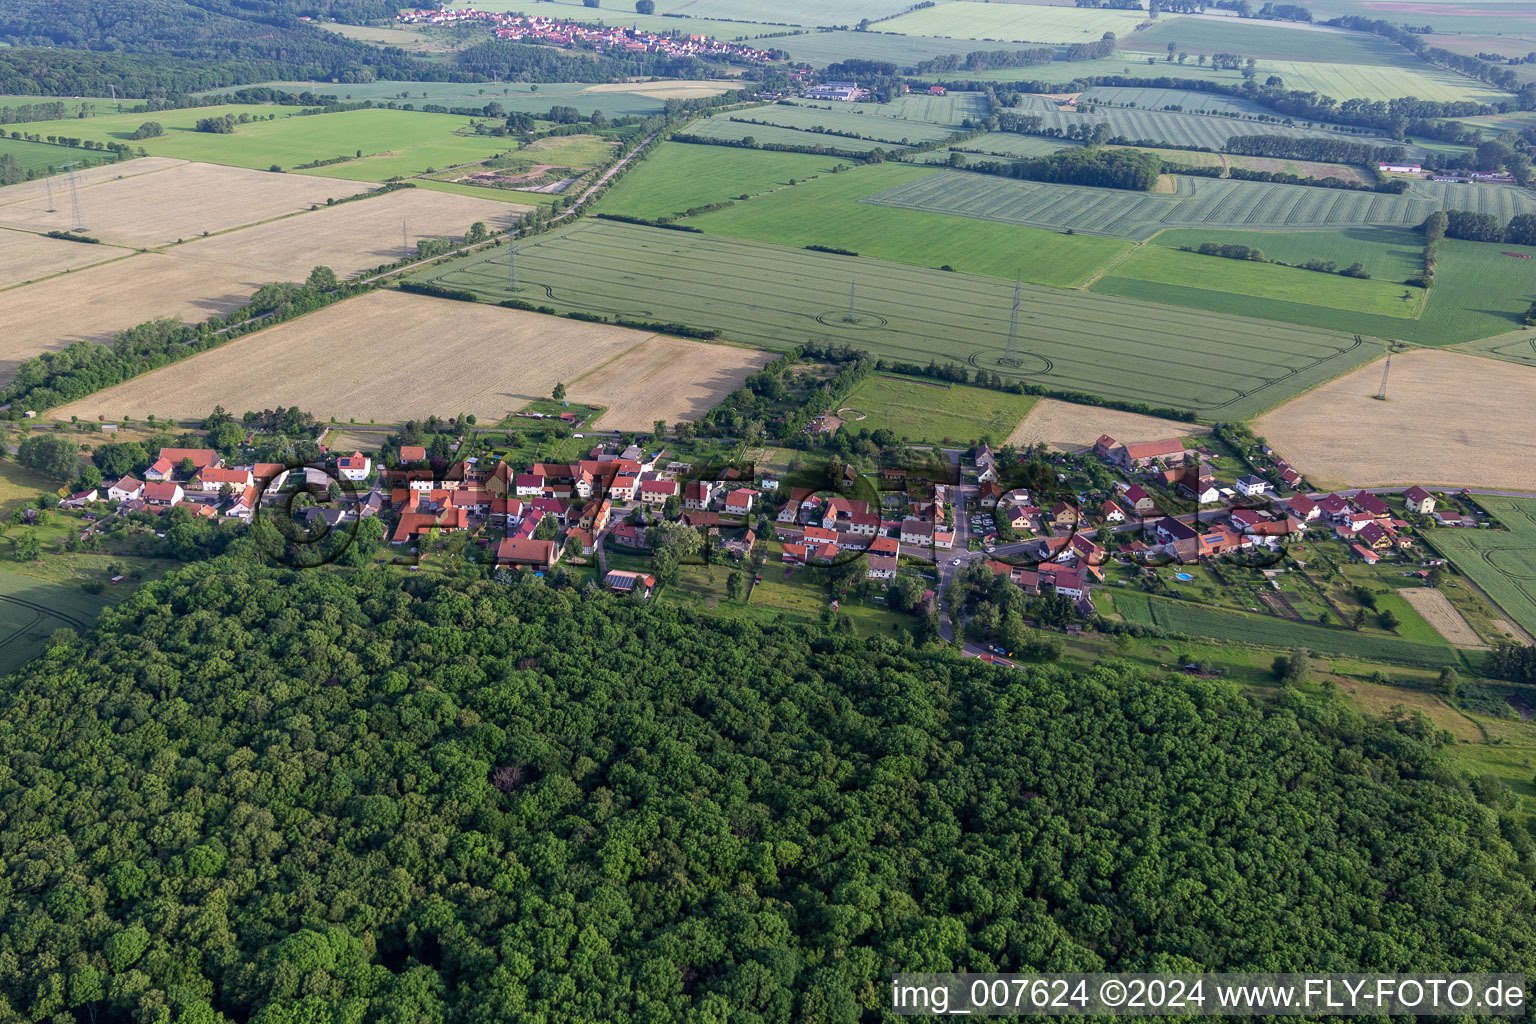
(161, 490)
(201, 457)
(518, 551)
(412, 453)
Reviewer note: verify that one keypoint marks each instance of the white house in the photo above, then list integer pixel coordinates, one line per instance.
(916, 531)
(1400, 168)
(354, 467)
(126, 489)
(214, 477)
(1419, 500)
(1252, 486)
(943, 538)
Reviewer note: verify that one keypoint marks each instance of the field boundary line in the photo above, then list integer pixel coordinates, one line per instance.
(1095, 277)
(314, 208)
(73, 270)
(121, 177)
(608, 362)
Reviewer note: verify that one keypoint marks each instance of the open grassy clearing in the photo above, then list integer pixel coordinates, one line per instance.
(114, 127)
(1305, 168)
(1153, 263)
(1275, 632)
(1502, 562)
(843, 118)
(966, 19)
(907, 51)
(665, 379)
(39, 156)
(538, 163)
(678, 177)
(921, 411)
(1268, 40)
(424, 158)
(1190, 101)
(667, 89)
(1173, 128)
(385, 355)
(164, 206)
(31, 609)
(721, 127)
(1009, 144)
(1452, 420)
(512, 96)
(794, 12)
(1444, 15)
(1393, 254)
(1375, 82)
(1075, 427)
(1438, 611)
(1120, 63)
(1480, 291)
(28, 257)
(413, 40)
(776, 296)
(1198, 202)
(828, 211)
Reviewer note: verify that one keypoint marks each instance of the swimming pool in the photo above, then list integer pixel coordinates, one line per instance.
(1183, 576)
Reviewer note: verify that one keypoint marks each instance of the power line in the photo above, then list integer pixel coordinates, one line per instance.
(1382, 394)
(74, 195)
(1011, 355)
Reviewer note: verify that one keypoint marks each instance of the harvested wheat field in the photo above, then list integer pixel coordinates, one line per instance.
(666, 379)
(350, 236)
(1074, 427)
(1440, 613)
(385, 356)
(667, 90)
(85, 177)
(28, 257)
(1452, 421)
(164, 205)
(92, 304)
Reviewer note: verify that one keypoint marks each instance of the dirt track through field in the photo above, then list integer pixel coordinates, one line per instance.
(1072, 427)
(666, 379)
(386, 356)
(28, 257)
(155, 206)
(1440, 613)
(1452, 420)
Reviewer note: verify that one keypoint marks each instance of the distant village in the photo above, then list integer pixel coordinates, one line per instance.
(519, 28)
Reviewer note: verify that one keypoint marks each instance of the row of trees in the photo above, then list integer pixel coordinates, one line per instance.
(282, 796)
(1131, 169)
(1320, 148)
(1479, 227)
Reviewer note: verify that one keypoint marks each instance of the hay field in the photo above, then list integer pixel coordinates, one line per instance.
(1073, 427)
(28, 257)
(94, 175)
(1016, 22)
(351, 236)
(665, 379)
(91, 304)
(181, 201)
(386, 356)
(1452, 420)
(680, 89)
(1441, 614)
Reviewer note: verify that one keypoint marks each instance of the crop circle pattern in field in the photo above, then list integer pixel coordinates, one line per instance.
(860, 321)
(1029, 364)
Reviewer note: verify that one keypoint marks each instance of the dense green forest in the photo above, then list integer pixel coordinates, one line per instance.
(268, 796)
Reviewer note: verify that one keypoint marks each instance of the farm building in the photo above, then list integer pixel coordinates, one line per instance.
(1400, 168)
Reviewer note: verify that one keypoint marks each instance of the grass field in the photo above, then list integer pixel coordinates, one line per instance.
(385, 355)
(1479, 292)
(678, 177)
(1199, 202)
(31, 609)
(1008, 144)
(578, 153)
(29, 257)
(1514, 347)
(852, 118)
(1155, 264)
(1375, 82)
(38, 156)
(776, 296)
(721, 127)
(1074, 427)
(1393, 254)
(665, 379)
(828, 211)
(1266, 40)
(1190, 101)
(907, 51)
(1452, 420)
(512, 96)
(161, 205)
(794, 12)
(1121, 63)
(920, 411)
(1270, 631)
(1502, 562)
(967, 19)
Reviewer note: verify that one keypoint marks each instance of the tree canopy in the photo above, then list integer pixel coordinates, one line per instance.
(272, 796)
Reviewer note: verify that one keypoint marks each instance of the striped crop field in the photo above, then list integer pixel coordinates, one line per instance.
(1177, 129)
(1377, 82)
(776, 296)
(949, 110)
(1191, 101)
(772, 135)
(1198, 202)
(1012, 144)
(1016, 22)
(1502, 562)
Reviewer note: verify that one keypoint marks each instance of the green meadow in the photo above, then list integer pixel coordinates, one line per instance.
(934, 411)
(679, 177)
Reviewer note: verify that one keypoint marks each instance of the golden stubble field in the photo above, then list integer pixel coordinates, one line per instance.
(168, 201)
(217, 275)
(350, 237)
(28, 257)
(1451, 420)
(1073, 427)
(385, 356)
(666, 379)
